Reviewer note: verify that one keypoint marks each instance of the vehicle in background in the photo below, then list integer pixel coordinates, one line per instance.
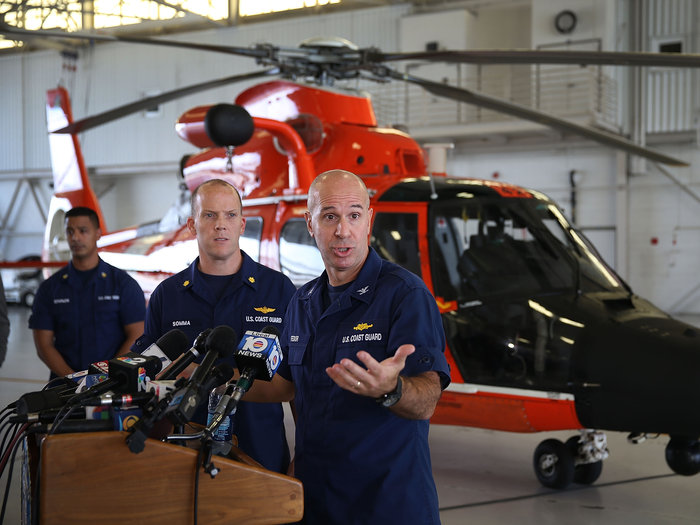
(21, 284)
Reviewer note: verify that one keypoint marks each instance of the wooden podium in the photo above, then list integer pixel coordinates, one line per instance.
(92, 478)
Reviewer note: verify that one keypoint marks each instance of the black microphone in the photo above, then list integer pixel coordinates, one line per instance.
(126, 374)
(45, 399)
(125, 400)
(45, 416)
(138, 433)
(258, 356)
(178, 365)
(168, 347)
(73, 425)
(220, 343)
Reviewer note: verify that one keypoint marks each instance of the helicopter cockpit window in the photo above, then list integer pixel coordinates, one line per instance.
(250, 240)
(395, 237)
(300, 259)
(483, 249)
(511, 246)
(595, 274)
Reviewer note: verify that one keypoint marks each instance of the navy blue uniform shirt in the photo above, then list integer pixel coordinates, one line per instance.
(360, 463)
(256, 297)
(87, 318)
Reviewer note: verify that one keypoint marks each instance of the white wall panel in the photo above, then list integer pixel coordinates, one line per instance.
(11, 119)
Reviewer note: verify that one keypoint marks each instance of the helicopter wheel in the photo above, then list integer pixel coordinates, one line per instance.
(585, 473)
(554, 464)
(683, 455)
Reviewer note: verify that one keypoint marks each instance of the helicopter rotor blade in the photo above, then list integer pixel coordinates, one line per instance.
(516, 110)
(526, 56)
(26, 34)
(322, 60)
(133, 107)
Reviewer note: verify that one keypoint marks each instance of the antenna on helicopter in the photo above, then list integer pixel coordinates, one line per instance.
(437, 162)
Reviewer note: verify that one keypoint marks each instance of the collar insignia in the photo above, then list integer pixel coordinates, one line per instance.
(104, 275)
(264, 309)
(186, 283)
(363, 291)
(251, 280)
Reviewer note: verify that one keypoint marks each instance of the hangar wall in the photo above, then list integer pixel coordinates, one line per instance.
(135, 158)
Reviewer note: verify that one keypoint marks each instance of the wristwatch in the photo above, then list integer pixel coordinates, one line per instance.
(391, 398)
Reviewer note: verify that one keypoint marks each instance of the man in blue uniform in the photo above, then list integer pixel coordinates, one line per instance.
(364, 361)
(224, 286)
(88, 311)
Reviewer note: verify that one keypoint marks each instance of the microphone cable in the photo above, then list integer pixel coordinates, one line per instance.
(13, 448)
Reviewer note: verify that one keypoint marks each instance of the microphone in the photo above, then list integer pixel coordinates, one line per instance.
(45, 399)
(100, 367)
(178, 365)
(126, 400)
(220, 343)
(258, 356)
(168, 347)
(126, 374)
(136, 440)
(44, 416)
(161, 388)
(73, 425)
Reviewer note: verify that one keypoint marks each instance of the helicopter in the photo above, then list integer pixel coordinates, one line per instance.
(542, 334)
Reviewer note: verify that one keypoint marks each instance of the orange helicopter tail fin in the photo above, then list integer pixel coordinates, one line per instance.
(70, 179)
(71, 186)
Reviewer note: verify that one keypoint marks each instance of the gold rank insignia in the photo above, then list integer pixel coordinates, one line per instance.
(264, 309)
(251, 279)
(65, 276)
(185, 283)
(103, 275)
(362, 326)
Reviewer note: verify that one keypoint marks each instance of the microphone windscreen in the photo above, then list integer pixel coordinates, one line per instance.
(222, 340)
(174, 343)
(269, 329)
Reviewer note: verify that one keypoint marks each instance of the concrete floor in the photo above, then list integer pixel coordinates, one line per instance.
(482, 476)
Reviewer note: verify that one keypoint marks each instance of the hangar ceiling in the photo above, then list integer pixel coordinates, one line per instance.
(158, 17)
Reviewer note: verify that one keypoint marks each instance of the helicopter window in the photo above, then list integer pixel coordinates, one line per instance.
(395, 237)
(300, 259)
(595, 274)
(250, 240)
(310, 129)
(483, 249)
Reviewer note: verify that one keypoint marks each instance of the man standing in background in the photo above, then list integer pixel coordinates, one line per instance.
(89, 310)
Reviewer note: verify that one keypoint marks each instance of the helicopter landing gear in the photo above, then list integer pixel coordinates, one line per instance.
(683, 455)
(578, 460)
